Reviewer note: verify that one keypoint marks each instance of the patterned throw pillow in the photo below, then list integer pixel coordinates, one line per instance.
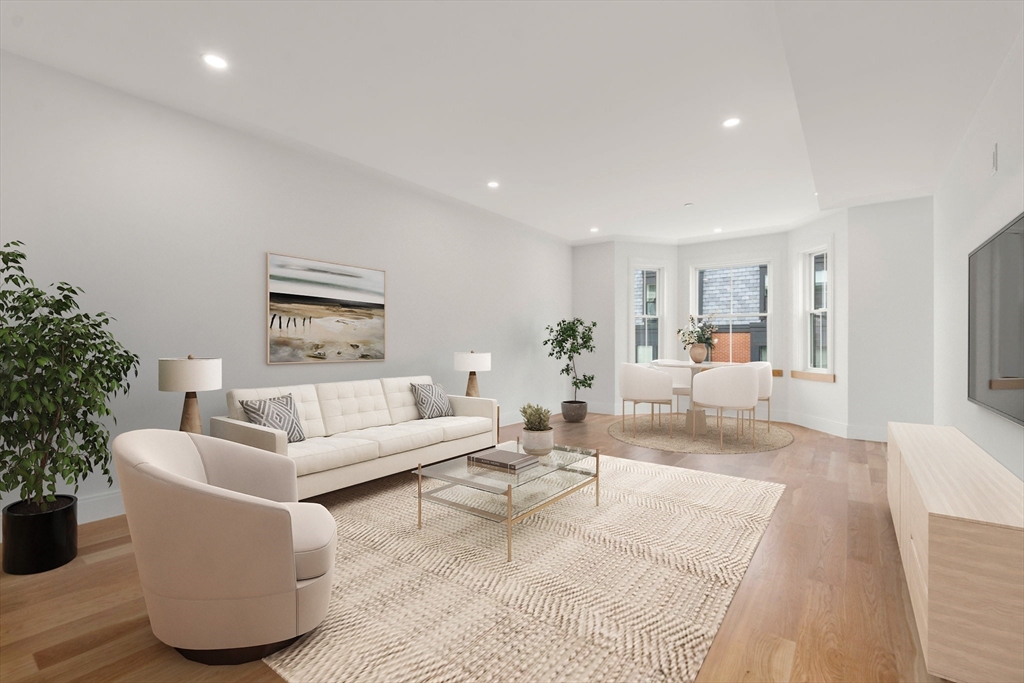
(276, 413)
(431, 401)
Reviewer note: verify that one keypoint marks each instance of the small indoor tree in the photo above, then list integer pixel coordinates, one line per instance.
(568, 340)
(58, 369)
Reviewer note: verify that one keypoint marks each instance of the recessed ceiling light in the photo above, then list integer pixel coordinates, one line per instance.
(688, 204)
(729, 123)
(718, 230)
(493, 184)
(215, 61)
(593, 230)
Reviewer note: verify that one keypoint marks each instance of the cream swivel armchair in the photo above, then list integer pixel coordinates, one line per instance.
(232, 567)
(641, 384)
(731, 387)
(764, 388)
(682, 376)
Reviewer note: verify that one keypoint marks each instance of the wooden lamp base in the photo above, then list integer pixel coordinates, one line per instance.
(190, 419)
(472, 388)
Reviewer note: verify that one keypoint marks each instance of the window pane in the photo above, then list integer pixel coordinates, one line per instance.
(650, 292)
(646, 340)
(819, 340)
(738, 297)
(715, 291)
(820, 281)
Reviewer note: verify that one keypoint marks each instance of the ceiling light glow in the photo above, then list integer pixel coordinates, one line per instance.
(215, 61)
(593, 230)
(718, 230)
(493, 184)
(729, 123)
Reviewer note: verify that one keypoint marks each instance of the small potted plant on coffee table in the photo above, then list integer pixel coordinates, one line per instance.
(569, 339)
(538, 437)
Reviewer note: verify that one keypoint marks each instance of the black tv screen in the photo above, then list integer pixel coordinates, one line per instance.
(996, 323)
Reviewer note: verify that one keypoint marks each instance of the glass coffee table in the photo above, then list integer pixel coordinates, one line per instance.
(508, 497)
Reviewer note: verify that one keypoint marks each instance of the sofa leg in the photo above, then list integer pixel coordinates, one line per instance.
(234, 655)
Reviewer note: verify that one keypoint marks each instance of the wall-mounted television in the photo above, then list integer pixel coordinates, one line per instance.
(996, 323)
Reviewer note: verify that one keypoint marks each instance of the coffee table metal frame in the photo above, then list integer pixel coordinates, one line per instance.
(509, 518)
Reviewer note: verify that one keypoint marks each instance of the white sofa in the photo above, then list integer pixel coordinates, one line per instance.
(361, 430)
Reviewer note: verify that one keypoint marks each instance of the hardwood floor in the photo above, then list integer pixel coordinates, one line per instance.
(824, 598)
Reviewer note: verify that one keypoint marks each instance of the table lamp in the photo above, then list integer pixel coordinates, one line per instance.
(190, 375)
(472, 363)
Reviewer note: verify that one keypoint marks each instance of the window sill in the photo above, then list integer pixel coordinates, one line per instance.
(812, 376)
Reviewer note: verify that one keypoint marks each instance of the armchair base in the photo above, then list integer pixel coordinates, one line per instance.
(234, 655)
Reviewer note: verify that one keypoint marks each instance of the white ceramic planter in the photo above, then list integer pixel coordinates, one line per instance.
(538, 443)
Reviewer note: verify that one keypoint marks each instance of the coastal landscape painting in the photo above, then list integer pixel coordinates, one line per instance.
(321, 312)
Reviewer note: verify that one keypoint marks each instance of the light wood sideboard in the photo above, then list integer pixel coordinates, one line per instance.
(959, 519)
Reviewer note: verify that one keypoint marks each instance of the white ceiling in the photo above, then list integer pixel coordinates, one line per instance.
(589, 114)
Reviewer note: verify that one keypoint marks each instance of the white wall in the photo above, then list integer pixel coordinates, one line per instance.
(165, 220)
(971, 205)
(821, 405)
(593, 299)
(890, 319)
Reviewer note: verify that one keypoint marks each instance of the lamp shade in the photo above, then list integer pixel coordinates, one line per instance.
(189, 374)
(472, 362)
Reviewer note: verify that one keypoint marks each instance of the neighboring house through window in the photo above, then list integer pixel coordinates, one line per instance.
(737, 297)
(818, 315)
(646, 314)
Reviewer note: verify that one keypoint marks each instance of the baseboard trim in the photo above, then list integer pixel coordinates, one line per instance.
(816, 423)
(94, 507)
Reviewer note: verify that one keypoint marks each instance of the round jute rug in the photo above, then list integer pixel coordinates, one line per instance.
(681, 441)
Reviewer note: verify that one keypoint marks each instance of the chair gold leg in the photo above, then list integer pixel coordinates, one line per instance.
(721, 437)
(634, 419)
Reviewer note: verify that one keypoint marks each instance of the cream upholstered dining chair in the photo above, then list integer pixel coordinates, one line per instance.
(732, 387)
(232, 567)
(764, 388)
(641, 384)
(681, 375)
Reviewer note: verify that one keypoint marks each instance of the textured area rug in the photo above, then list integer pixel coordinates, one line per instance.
(681, 442)
(633, 590)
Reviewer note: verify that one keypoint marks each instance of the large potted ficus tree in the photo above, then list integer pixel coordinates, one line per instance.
(569, 339)
(58, 369)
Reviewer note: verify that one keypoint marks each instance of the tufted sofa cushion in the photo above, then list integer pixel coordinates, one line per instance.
(353, 405)
(400, 399)
(393, 439)
(317, 455)
(306, 403)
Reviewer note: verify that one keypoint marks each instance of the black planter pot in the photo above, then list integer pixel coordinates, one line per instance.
(40, 541)
(574, 411)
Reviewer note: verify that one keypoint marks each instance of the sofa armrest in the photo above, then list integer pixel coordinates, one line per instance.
(471, 406)
(265, 438)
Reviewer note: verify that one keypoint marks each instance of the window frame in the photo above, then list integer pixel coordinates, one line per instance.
(659, 315)
(768, 283)
(807, 298)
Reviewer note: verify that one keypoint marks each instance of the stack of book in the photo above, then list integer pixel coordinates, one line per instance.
(506, 461)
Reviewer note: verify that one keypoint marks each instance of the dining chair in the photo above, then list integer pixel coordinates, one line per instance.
(732, 387)
(641, 384)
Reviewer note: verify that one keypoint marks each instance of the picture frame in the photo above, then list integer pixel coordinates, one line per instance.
(324, 312)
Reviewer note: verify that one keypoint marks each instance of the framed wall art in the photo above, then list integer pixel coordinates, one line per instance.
(321, 312)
